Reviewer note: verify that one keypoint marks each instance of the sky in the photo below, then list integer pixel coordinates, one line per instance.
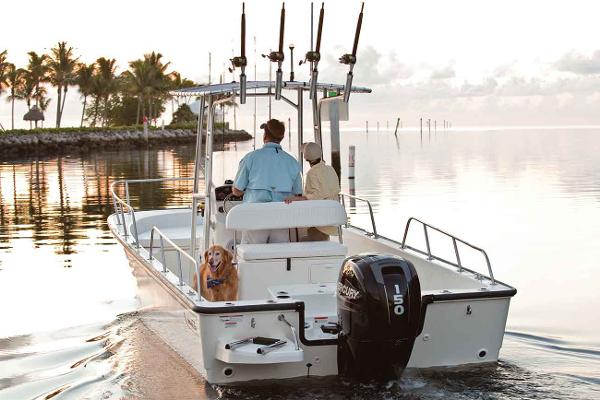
(475, 63)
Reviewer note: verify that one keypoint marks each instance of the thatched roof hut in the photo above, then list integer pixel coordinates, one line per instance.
(34, 114)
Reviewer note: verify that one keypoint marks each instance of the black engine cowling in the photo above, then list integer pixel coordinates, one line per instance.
(379, 311)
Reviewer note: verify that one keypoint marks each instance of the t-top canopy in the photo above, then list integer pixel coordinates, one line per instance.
(221, 88)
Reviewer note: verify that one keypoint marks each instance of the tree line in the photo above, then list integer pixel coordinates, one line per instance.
(108, 98)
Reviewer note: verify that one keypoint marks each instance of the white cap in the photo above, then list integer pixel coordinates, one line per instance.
(312, 151)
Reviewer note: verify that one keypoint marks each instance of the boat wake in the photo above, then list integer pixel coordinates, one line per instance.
(124, 359)
(73, 363)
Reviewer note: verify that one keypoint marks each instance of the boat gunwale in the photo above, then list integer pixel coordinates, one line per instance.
(438, 261)
(295, 305)
(268, 306)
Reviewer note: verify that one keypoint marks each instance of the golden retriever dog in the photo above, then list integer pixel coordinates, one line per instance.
(218, 276)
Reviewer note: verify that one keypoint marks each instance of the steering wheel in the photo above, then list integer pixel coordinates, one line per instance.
(227, 206)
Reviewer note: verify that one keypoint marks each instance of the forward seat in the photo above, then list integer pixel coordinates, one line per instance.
(261, 266)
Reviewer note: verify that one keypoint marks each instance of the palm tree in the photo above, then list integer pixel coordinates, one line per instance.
(96, 93)
(176, 81)
(37, 71)
(26, 91)
(3, 66)
(107, 82)
(3, 69)
(44, 103)
(85, 81)
(147, 80)
(159, 82)
(136, 82)
(61, 66)
(40, 95)
(16, 80)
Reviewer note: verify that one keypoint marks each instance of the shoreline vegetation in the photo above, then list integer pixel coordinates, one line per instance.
(58, 141)
(115, 105)
(137, 94)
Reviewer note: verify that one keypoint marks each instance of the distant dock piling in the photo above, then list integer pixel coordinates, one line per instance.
(351, 172)
(397, 124)
(429, 127)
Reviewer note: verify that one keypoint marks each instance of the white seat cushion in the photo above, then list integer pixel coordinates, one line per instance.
(290, 250)
(278, 215)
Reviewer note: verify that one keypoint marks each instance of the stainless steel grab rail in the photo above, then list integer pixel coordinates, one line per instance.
(123, 207)
(455, 239)
(351, 196)
(428, 251)
(163, 238)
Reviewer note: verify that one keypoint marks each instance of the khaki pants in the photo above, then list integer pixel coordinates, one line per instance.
(315, 235)
(266, 236)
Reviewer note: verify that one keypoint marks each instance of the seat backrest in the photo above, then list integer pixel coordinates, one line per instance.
(278, 215)
(269, 251)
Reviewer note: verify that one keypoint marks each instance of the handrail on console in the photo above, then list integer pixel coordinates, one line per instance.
(351, 196)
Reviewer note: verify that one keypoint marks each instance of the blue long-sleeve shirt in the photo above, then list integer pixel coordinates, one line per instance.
(268, 174)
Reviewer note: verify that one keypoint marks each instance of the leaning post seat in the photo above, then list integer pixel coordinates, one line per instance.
(269, 264)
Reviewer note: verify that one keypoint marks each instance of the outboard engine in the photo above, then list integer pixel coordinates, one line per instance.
(379, 312)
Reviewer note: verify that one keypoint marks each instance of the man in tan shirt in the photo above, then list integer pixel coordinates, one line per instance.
(322, 183)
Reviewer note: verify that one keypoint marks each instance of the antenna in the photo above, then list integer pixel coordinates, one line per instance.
(350, 59)
(241, 61)
(278, 56)
(314, 56)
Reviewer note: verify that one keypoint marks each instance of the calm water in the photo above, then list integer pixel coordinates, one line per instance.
(531, 198)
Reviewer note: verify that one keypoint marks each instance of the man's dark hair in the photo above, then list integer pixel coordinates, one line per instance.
(274, 129)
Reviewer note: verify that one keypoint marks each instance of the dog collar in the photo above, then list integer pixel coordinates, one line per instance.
(211, 283)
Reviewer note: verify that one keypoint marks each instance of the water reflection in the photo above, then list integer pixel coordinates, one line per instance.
(530, 198)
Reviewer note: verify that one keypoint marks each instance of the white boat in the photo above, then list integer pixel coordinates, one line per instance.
(361, 305)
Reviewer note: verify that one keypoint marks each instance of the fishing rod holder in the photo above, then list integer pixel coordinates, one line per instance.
(241, 61)
(350, 59)
(314, 56)
(277, 57)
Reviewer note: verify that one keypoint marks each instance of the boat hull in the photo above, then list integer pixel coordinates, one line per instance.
(458, 328)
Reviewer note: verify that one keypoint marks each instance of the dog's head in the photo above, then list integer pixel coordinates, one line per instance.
(216, 256)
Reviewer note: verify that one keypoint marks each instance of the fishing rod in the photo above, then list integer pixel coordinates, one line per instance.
(278, 56)
(350, 59)
(314, 56)
(241, 61)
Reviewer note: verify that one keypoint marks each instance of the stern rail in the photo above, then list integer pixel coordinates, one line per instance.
(455, 240)
(430, 256)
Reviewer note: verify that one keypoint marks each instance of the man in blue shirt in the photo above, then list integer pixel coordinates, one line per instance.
(265, 175)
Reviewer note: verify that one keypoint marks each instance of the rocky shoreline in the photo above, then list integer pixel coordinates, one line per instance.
(19, 145)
